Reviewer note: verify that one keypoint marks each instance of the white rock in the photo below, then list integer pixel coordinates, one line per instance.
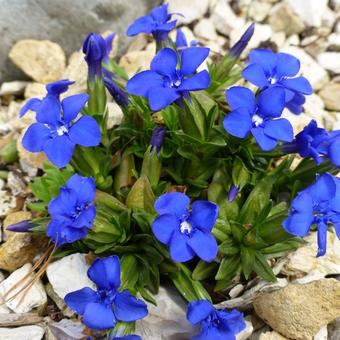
(167, 320)
(316, 75)
(330, 61)
(26, 300)
(271, 336)
(236, 291)
(334, 39)
(205, 30)
(191, 10)
(7, 202)
(330, 95)
(328, 18)
(223, 17)
(35, 90)
(136, 61)
(258, 10)
(67, 329)
(310, 11)
(13, 87)
(22, 333)
(115, 114)
(322, 334)
(69, 274)
(247, 332)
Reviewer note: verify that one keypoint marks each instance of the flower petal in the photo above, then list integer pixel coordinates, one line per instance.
(72, 105)
(164, 226)
(265, 142)
(165, 62)
(204, 214)
(58, 87)
(198, 81)
(140, 84)
(255, 74)
(85, 132)
(191, 58)
(271, 102)
(279, 129)
(175, 203)
(204, 245)
(299, 84)
(298, 224)
(35, 137)
(84, 187)
(179, 249)
(334, 152)
(85, 219)
(323, 189)
(238, 123)
(78, 299)
(161, 97)
(128, 308)
(265, 58)
(63, 204)
(287, 65)
(99, 316)
(144, 24)
(198, 311)
(32, 104)
(239, 96)
(322, 239)
(59, 150)
(160, 13)
(48, 111)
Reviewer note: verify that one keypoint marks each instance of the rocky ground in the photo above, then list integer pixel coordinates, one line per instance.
(305, 301)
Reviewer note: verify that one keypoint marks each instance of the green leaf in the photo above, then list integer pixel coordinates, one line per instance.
(228, 268)
(280, 249)
(151, 167)
(129, 271)
(228, 247)
(238, 231)
(262, 268)
(240, 174)
(204, 270)
(247, 260)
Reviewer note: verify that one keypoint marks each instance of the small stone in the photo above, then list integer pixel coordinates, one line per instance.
(236, 291)
(205, 30)
(247, 332)
(16, 184)
(59, 301)
(299, 311)
(42, 60)
(271, 336)
(283, 18)
(35, 90)
(22, 333)
(322, 334)
(115, 115)
(330, 96)
(13, 88)
(191, 10)
(7, 203)
(334, 39)
(258, 11)
(330, 61)
(26, 300)
(67, 329)
(69, 274)
(136, 61)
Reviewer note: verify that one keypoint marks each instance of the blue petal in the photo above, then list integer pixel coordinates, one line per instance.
(165, 62)
(63, 204)
(334, 152)
(85, 132)
(86, 217)
(72, 105)
(140, 84)
(179, 249)
(238, 123)
(198, 311)
(211, 332)
(255, 74)
(181, 40)
(174, 203)
(198, 81)
(78, 299)
(279, 129)
(299, 84)
(144, 24)
(287, 65)
(59, 150)
(160, 13)
(128, 308)
(164, 226)
(298, 224)
(35, 137)
(58, 87)
(84, 187)
(108, 42)
(204, 245)
(99, 316)
(32, 104)
(323, 189)
(105, 273)
(265, 142)
(191, 58)
(204, 214)
(49, 111)
(303, 203)
(271, 102)
(239, 96)
(231, 320)
(264, 58)
(322, 239)
(161, 97)
(166, 27)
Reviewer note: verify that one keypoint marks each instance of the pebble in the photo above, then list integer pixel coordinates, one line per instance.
(191, 10)
(258, 11)
(13, 88)
(330, 95)
(330, 61)
(136, 61)
(22, 333)
(205, 29)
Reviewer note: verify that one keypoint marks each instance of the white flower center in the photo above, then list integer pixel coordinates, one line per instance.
(273, 81)
(257, 120)
(176, 83)
(62, 130)
(185, 227)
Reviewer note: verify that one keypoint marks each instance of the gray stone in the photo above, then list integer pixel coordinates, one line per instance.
(13, 88)
(334, 329)
(64, 22)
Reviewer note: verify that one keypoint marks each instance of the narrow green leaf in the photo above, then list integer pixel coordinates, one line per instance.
(262, 268)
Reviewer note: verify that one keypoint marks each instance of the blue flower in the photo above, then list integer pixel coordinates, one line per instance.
(237, 49)
(72, 212)
(233, 191)
(318, 204)
(269, 69)
(186, 232)
(118, 94)
(57, 132)
(126, 337)
(157, 138)
(256, 115)
(101, 309)
(21, 227)
(333, 147)
(181, 41)
(157, 23)
(215, 324)
(165, 83)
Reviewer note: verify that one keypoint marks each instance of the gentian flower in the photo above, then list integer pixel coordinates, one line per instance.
(233, 191)
(157, 138)
(237, 49)
(258, 116)
(56, 132)
(158, 23)
(72, 212)
(333, 147)
(101, 309)
(186, 232)
(126, 337)
(21, 227)
(181, 41)
(118, 94)
(215, 324)
(269, 69)
(318, 204)
(165, 83)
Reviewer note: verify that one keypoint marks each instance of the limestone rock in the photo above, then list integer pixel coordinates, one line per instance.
(330, 61)
(35, 90)
(271, 336)
(69, 274)
(67, 329)
(330, 96)
(26, 300)
(13, 88)
(22, 333)
(258, 11)
(115, 114)
(205, 30)
(334, 328)
(191, 10)
(7, 203)
(44, 61)
(247, 331)
(136, 61)
(299, 311)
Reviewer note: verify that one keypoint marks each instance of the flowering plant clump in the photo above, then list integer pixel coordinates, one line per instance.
(201, 185)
